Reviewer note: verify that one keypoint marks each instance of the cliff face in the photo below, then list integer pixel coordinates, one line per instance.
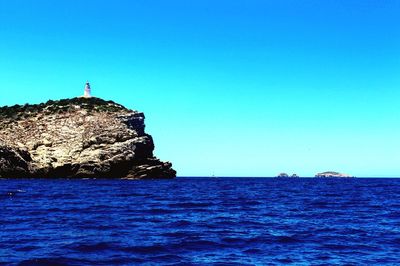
(80, 137)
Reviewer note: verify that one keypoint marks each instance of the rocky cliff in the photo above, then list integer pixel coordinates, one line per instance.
(79, 137)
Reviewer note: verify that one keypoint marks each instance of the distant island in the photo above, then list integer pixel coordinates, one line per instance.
(328, 174)
(77, 138)
(285, 175)
(332, 174)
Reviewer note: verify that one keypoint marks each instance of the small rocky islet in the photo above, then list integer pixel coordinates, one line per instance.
(333, 174)
(285, 175)
(83, 137)
(328, 174)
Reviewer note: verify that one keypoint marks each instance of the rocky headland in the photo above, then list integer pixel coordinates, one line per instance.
(77, 138)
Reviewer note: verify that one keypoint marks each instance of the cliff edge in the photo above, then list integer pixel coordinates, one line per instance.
(79, 137)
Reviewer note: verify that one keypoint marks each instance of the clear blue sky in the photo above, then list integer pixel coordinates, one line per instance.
(234, 88)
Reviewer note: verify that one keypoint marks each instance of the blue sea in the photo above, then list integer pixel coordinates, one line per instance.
(200, 221)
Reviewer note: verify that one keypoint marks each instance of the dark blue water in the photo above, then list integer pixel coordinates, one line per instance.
(200, 221)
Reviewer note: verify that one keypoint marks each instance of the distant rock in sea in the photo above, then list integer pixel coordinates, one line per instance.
(79, 137)
(285, 175)
(331, 174)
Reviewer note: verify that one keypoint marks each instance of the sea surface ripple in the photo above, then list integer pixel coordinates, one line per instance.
(200, 221)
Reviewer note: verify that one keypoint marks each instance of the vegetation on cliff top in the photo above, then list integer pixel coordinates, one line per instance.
(93, 104)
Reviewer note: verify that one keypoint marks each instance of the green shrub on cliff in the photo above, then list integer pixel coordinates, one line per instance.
(16, 112)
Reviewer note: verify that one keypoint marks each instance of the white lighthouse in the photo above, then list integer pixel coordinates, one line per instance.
(88, 92)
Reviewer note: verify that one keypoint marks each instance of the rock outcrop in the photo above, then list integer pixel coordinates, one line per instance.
(285, 175)
(282, 175)
(79, 137)
(331, 174)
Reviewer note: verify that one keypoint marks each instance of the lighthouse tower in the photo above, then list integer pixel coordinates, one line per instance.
(87, 93)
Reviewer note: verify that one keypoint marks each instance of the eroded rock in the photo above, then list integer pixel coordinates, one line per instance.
(79, 137)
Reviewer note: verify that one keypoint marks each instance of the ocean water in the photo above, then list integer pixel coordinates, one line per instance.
(200, 221)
